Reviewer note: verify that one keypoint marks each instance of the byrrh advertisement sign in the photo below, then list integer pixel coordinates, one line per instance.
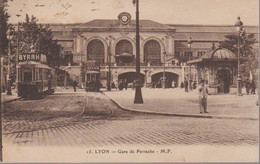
(32, 57)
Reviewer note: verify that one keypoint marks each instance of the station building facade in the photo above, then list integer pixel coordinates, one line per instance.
(163, 47)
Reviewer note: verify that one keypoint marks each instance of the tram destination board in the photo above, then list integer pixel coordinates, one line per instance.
(92, 68)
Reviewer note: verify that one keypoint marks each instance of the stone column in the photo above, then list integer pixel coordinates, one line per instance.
(78, 44)
(172, 45)
(183, 73)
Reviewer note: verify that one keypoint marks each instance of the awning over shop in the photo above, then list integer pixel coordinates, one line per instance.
(125, 57)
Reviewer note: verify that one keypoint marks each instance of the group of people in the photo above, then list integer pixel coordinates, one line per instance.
(122, 84)
(168, 84)
(250, 86)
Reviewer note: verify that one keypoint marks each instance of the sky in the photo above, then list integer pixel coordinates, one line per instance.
(208, 12)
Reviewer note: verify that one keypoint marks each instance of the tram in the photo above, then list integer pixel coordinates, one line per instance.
(92, 79)
(35, 79)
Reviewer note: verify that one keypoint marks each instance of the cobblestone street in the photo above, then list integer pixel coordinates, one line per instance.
(80, 119)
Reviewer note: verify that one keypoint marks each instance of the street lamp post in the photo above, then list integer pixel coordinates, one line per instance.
(239, 26)
(189, 45)
(138, 92)
(164, 80)
(9, 92)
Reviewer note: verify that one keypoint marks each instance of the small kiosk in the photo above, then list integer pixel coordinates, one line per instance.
(218, 68)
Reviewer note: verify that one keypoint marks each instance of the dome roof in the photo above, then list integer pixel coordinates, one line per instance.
(220, 53)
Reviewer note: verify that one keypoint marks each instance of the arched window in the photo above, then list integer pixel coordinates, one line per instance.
(96, 51)
(124, 46)
(152, 53)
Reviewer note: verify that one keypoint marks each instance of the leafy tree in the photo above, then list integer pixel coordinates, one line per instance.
(3, 27)
(246, 51)
(246, 43)
(39, 39)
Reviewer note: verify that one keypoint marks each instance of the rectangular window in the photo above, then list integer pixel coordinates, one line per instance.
(36, 74)
(200, 53)
(88, 77)
(33, 74)
(40, 74)
(27, 74)
(19, 74)
(177, 54)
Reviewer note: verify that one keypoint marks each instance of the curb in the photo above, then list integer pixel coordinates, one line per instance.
(180, 114)
(8, 101)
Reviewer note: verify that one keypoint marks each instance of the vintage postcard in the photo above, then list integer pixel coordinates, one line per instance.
(129, 81)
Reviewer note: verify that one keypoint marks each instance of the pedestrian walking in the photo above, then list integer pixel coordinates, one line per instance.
(191, 84)
(194, 84)
(113, 86)
(247, 85)
(133, 86)
(125, 84)
(120, 85)
(253, 86)
(203, 95)
(182, 85)
(186, 85)
(173, 84)
(74, 85)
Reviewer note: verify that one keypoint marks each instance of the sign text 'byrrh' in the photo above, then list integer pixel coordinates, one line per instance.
(29, 57)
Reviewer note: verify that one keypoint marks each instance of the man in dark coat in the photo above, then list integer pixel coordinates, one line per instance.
(125, 84)
(186, 85)
(247, 85)
(253, 87)
(74, 85)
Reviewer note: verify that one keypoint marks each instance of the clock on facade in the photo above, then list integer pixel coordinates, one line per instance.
(124, 18)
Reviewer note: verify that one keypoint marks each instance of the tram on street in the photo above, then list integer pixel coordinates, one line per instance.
(92, 78)
(35, 79)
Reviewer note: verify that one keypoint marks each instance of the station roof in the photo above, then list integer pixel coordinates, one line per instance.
(108, 22)
(101, 25)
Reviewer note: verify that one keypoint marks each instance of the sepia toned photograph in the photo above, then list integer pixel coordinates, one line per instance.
(129, 81)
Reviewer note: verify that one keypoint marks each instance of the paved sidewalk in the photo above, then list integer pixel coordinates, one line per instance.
(177, 102)
(8, 98)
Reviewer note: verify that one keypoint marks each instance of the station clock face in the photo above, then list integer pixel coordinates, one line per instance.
(124, 18)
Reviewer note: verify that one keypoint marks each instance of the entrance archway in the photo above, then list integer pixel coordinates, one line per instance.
(170, 77)
(223, 77)
(129, 76)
